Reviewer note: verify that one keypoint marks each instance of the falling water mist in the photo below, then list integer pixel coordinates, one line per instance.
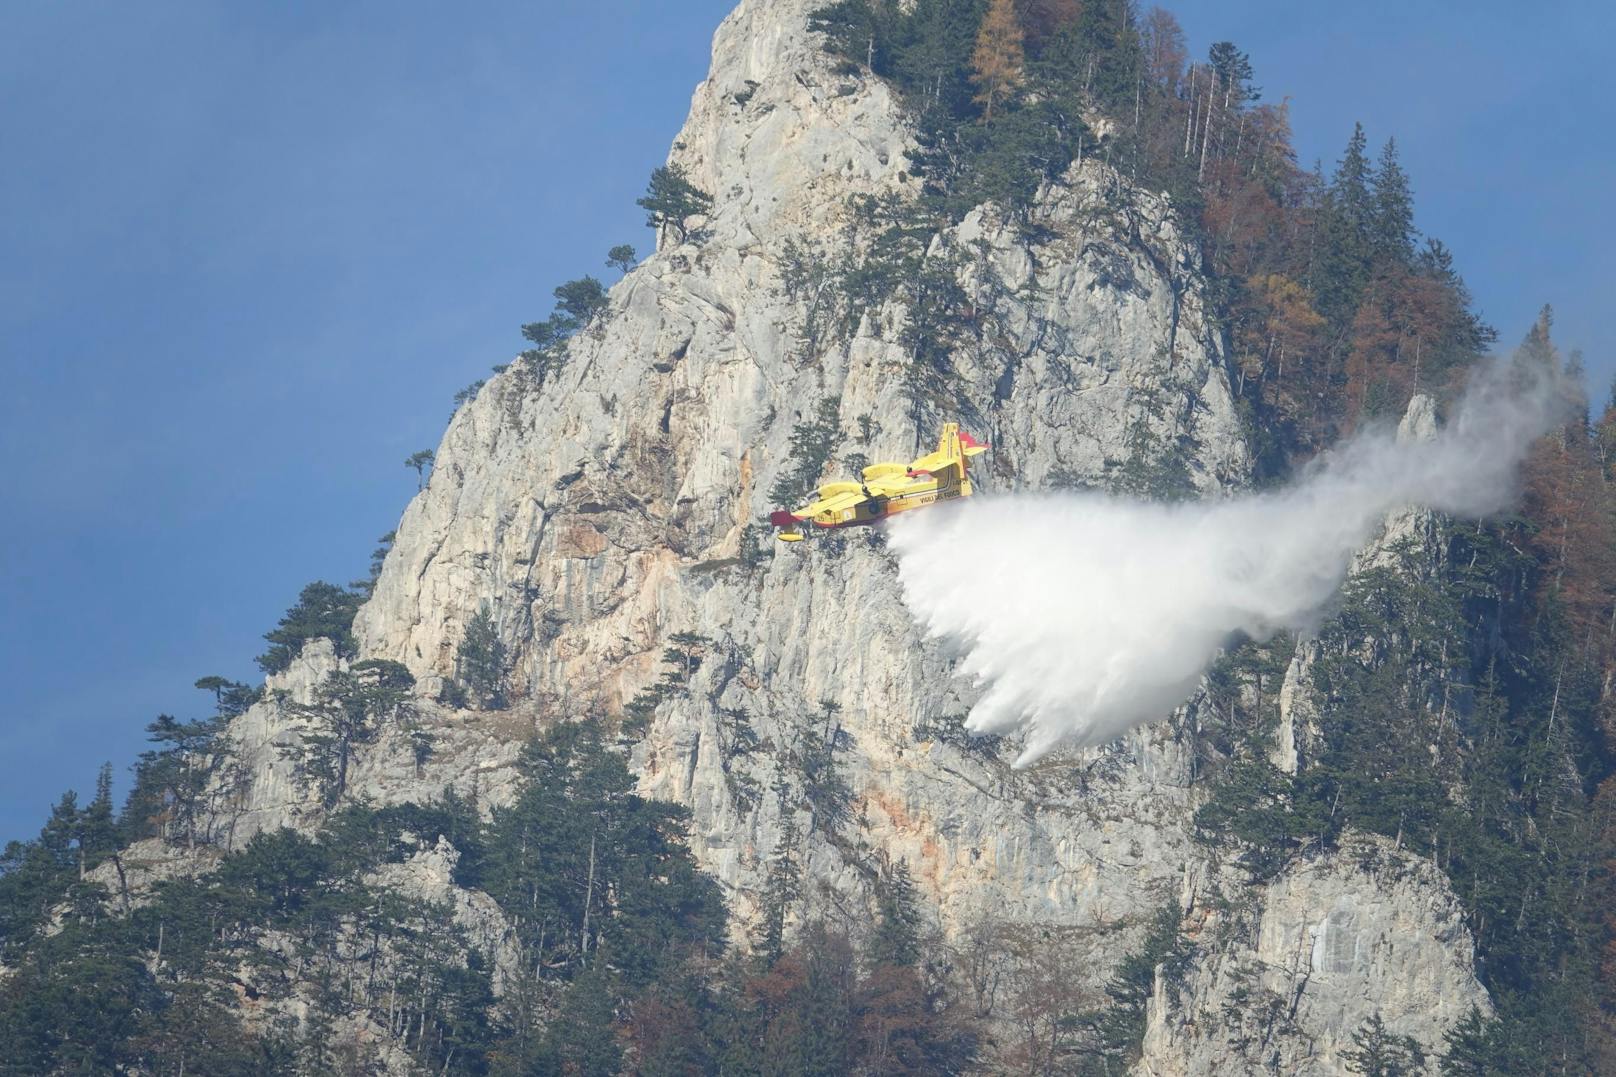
(1082, 615)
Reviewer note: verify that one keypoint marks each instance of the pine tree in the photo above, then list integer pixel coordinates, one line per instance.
(1233, 71)
(480, 661)
(1351, 188)
(1345, 235)
(1471, 1051)
(671, 199)
(1043, 19)
(781, 888)
(323, 610)
(1109, 46)
(853, 29)
(1538, 348)
(823, 1046)
(593, 873)
(621, 258)
(230, 698)
(419, 462)
(897, 930)
(35, 875)
(347, 712)
(577, 303)
(546, 337)
(166, 800)
(97, 836)
(997, 61)
(671, 1029)
(935, 57)
(367, 586)
(1121, 1024)
(1468, 336)
(1378, 1052)
(1392, 229)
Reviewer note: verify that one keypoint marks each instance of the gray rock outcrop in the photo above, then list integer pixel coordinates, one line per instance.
(611, 504)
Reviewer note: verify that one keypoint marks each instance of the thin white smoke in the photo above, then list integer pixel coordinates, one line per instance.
(1082, 615)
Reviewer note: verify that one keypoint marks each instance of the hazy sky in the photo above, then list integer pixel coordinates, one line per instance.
(248, 253)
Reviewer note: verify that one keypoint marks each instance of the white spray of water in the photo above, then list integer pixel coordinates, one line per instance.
(1083, 615)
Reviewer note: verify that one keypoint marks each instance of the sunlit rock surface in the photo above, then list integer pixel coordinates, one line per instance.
(606, 509)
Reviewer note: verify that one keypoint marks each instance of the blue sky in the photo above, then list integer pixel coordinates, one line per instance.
(1503, 114)
(250, 252)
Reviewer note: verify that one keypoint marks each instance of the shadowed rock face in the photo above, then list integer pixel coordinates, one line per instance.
(604, 508)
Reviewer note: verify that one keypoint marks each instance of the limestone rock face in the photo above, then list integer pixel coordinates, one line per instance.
(578, 510)
(604, 512)
(612, 504)
(258, 789)
(428, 876)
(1330, 944)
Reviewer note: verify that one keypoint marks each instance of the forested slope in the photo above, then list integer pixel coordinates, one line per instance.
(588, 778)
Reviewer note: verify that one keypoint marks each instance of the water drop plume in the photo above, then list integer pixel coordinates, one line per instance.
(1083, 615)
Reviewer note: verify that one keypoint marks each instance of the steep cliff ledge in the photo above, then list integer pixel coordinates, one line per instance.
(603, 509)
(596, 512)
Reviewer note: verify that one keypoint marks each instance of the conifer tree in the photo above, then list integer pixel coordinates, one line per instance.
(577, 303)
(584, 1037)
(1233, 71)
(323, 610)
(1110, 49)
(348, 710)
(781, 887)
(419, 462)
(823, 1047)
(1346, 228)
(97, 836)
(996, 63)
(1377, 1052)
(166, 800)
(34, 875)
(1392, 228)
(1538, 348)
(545, 336)
(1471, 1051)
(1351, 187)
(897, 930)
(852, 29)
(367, 586)
(671, 199)
(230, 698)
(936, 56)
(621, 258)
(481, 660)
(1043, 19)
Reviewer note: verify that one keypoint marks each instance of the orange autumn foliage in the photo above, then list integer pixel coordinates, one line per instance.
(1573, 503)
(1399, 322)
(997, 62)
(1279, 329)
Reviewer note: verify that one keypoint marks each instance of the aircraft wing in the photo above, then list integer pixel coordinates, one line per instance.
(834, 503)
(891, 484)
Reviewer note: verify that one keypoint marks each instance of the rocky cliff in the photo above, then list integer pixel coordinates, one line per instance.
(608, 505)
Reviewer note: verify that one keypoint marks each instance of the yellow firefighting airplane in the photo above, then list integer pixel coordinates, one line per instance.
(887, 488)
